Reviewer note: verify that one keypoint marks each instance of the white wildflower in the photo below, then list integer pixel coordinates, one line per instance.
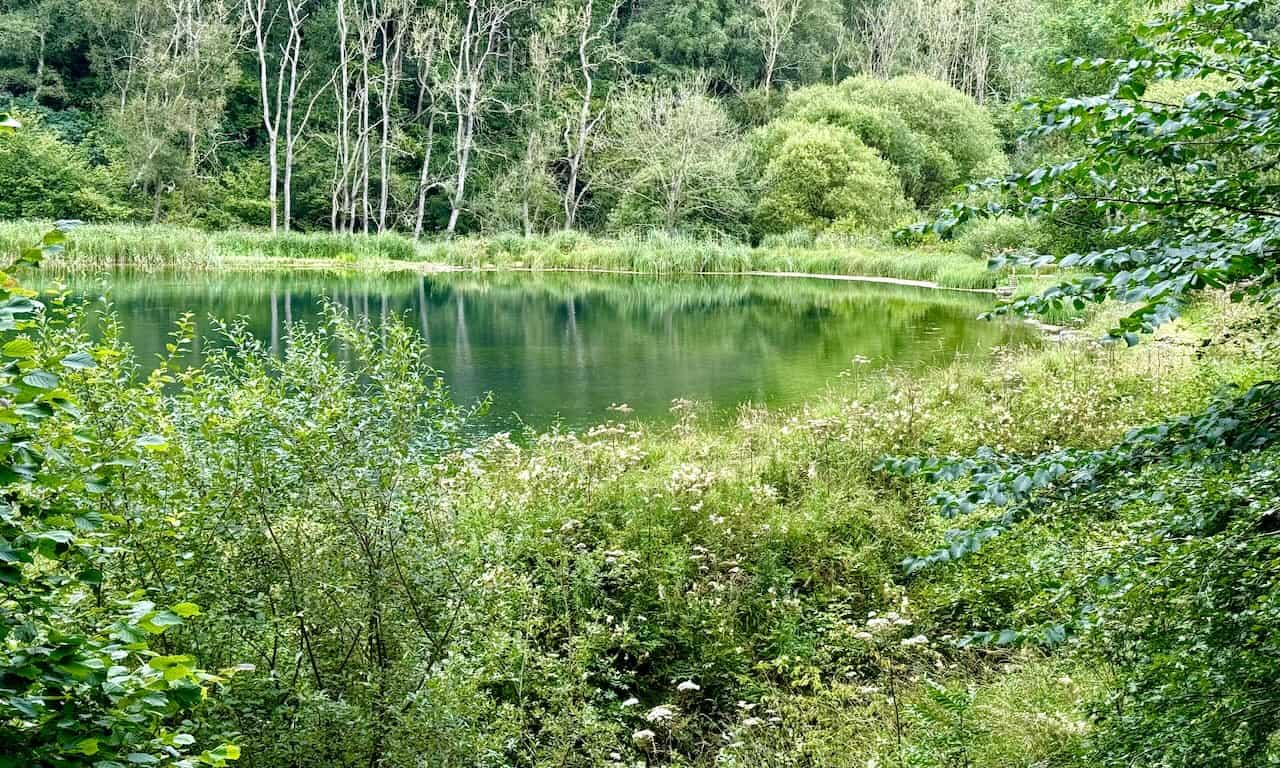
(688, 685)
(660, 714)
(631, 702)
(917, 640)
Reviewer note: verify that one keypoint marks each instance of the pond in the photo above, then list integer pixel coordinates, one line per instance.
(564, 348)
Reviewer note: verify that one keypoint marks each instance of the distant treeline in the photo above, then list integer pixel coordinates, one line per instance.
(726, 117)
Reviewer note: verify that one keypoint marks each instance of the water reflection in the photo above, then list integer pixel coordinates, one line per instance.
(567, 346)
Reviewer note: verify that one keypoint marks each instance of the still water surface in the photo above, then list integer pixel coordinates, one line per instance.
(565, 348)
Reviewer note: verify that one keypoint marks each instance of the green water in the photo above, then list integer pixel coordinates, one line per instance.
(566, 347)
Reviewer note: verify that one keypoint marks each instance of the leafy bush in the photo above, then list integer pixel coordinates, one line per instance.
(1179, 599)
(927, 172)
(989, 237)
(237, 197)
(43, 177)
(820, 178)
(80, 683)
(959, 127)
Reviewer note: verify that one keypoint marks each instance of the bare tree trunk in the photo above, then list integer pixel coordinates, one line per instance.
(424, 179)
(589, 38)
(477, 45)
(342, 146)
(294, 129)
(39, 68)
(773, 27)
(261, 20)
(432, 33)
(392, 26)
(365, 131)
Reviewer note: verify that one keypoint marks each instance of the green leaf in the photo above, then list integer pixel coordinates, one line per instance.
(223, 753)
(79, 361)
(157, 622)
(40, 380)
(151, 442)
(19, 348)
(186, 610)
(87, 747)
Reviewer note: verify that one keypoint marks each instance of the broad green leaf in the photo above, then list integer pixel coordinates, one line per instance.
(79, 361)
(19, 348)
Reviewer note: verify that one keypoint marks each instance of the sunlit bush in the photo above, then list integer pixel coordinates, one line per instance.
(934, 109)
(819, 178)
(927, 171)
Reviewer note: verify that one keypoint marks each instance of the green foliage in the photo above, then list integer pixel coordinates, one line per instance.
(953, 121)
(672, 163)
(684, 37)
(1082, 28)
(821, 178)
(315, 534)
(927, 172)
(1180, 602)
(989, 238)
(236, 200)
(80, 684)
(1192, 606)
(43, 177)
(946, 716)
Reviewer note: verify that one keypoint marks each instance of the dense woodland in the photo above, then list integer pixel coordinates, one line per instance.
(712, 117)
(1065, 555)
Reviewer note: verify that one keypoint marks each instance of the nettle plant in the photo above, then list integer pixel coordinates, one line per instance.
(1191, 191)
(79, 682)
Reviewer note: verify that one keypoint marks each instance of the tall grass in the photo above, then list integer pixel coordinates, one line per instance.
(663, 254)
(101, 245)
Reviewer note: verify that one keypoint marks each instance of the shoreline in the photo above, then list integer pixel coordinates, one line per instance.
(265, 263)
(149, 247)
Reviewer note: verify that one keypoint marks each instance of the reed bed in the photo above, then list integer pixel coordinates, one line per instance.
(95, 246)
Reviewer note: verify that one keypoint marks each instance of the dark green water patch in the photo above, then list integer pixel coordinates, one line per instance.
(561, 347)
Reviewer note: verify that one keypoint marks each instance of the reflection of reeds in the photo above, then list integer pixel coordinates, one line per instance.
(97, 246)
(628, 294)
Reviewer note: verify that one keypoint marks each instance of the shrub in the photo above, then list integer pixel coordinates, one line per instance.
(43, 177)
(987, 237)
(961, 128)
(924, 168)
(822, 177)
(238, 197)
